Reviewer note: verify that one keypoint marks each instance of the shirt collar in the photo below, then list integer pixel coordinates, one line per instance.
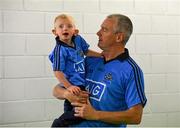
(59, 42)
(123, 56)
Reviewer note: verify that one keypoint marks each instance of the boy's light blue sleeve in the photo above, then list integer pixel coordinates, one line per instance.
(83, 43)
(58, 59)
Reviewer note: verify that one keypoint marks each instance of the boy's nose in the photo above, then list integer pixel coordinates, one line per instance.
(65, 28)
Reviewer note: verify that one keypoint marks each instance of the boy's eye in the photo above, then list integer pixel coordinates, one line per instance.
(60, 26)
(69, 26)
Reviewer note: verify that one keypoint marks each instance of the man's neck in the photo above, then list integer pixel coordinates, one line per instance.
(113, 53)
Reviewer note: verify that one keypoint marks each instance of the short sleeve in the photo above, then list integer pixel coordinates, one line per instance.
(135, 89)
(57, 57)
(83, 43)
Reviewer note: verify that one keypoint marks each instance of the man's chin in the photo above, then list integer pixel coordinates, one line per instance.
(100, 47)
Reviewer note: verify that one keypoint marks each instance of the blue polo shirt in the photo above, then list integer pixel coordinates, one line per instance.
(114, 85)
(70, 60)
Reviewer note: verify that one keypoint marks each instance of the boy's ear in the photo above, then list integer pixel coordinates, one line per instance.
(76, 32)
(54, 32)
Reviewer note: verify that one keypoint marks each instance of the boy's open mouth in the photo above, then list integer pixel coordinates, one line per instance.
(65, 34)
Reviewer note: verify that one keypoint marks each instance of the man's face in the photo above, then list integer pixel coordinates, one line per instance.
(107, 37)
(64, 28)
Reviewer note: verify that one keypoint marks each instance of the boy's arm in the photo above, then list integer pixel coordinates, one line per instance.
(62, 79)
(93, 53)
(62, 93)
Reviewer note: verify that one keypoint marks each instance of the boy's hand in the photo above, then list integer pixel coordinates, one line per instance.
(74, 90)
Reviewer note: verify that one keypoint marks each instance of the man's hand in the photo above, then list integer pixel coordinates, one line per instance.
(80, 98)
(85, 111)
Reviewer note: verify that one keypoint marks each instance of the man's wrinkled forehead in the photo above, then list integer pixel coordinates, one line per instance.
(108, 22)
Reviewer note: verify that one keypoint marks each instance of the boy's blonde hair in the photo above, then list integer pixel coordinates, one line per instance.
(65, 16)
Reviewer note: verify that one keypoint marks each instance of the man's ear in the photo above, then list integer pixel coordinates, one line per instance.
(120, 37)
(76, 32)
(54, 32)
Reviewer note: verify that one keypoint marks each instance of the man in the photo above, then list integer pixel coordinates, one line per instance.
(115, 83)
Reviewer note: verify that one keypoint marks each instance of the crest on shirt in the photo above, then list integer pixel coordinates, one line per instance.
(80, 53)
(108, 76)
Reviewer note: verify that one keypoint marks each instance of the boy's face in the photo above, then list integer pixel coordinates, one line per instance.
(65, 29)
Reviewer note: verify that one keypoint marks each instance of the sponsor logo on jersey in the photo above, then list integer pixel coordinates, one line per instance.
(79, 67)
(96, 89)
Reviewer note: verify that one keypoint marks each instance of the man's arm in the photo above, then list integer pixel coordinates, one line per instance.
(62, 93)
(93, 53)
(59, 92)
(130, 116)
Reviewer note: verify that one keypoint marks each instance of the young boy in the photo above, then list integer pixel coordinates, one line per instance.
(68, 63)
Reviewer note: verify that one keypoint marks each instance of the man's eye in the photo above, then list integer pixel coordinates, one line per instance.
(104, 30)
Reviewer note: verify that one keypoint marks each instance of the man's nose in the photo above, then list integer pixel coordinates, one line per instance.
(98, 33)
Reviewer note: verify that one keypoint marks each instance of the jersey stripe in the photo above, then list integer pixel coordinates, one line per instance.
(138, 81)
(57, 58)
(139, 74)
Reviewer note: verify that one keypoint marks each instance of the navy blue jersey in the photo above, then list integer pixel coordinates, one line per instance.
(70, 60)
(116, 85)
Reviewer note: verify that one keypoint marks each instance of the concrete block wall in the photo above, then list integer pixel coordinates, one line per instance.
(26, 78)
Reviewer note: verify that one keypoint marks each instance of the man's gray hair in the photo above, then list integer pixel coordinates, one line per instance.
(124, 25)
